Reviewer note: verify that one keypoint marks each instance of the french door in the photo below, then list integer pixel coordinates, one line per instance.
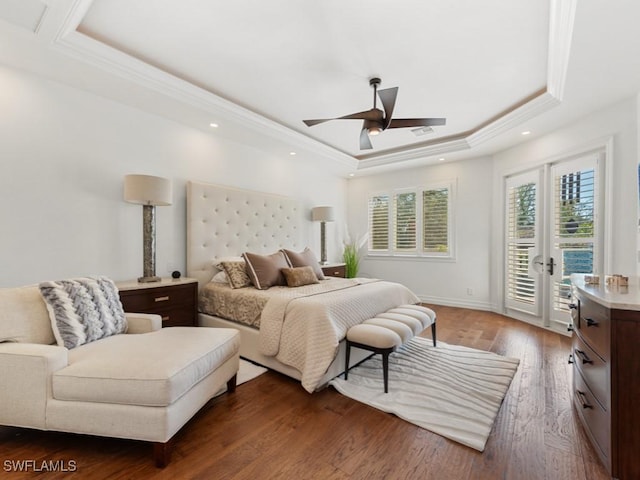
(552, 229)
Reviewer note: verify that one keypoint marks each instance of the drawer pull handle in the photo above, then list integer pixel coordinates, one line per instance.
(573, 306)
(570, 358)
(583, 399)
(164, 319)
(162, 299)
(591, 322)
(583, 356)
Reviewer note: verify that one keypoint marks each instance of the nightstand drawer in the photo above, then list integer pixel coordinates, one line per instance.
(174, 300)
(176, 317)
(335, 270)
(153, 299)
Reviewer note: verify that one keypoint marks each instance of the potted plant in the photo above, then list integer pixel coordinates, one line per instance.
(351, 255)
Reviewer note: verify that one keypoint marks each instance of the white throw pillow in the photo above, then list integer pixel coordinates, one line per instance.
(83, 310)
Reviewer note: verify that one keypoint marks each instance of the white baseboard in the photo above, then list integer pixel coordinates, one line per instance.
(456, 302)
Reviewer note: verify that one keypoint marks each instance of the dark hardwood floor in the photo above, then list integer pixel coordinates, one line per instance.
(270, 428)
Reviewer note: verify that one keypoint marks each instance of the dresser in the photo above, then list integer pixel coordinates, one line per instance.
(606, 371)
(175, 300)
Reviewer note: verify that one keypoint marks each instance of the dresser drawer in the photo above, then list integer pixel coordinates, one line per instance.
(596, 419)
(153, 300)
(594, 326)
(594, 370)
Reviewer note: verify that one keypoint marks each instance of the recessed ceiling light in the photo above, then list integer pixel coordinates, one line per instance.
(441, 159)
(526, 132)
(352, 174)
(292, 153)
(213, 125)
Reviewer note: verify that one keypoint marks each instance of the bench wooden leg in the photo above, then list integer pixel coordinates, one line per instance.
(385, 370)
(433, 333)
(346, 364)
(162, 453)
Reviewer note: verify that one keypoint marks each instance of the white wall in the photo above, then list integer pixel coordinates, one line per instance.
(434, 280)
(63, 155)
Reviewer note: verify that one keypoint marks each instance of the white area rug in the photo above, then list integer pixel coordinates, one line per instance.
(249, 371)
(450, 390)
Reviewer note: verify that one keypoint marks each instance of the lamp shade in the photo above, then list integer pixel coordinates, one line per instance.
(322, 214)
(147, 190)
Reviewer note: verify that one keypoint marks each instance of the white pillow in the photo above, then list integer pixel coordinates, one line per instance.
(83, 310)
(220, 277)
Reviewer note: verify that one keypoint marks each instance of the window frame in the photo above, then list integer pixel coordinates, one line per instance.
(418, 252)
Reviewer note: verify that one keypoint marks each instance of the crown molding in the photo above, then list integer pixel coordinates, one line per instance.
(84, 48)
(561, 19)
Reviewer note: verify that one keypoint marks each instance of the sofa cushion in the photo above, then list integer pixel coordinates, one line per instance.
(83, 310)
(24, 317)
(151, 369)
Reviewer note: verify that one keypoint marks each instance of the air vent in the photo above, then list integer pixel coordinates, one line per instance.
(418, 132)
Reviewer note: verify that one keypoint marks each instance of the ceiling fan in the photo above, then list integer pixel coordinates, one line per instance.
(375, 120)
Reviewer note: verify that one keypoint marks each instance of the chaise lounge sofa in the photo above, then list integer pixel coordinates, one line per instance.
(144, 384)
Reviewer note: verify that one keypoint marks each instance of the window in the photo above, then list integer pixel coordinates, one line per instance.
(412, 222)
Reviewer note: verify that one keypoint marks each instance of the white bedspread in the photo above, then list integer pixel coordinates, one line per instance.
(303, 328)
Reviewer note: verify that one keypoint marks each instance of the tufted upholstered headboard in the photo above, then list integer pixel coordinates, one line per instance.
(224, 221)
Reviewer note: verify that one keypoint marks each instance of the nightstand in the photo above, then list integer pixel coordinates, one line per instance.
(175, 300)
(334, 270)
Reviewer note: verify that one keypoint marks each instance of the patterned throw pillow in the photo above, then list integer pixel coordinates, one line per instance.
(83, 310)
(299, 276)
(236, 273)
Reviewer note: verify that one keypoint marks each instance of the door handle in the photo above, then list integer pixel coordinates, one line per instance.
(551, 264)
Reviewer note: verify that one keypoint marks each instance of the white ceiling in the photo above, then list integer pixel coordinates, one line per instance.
(492, 68)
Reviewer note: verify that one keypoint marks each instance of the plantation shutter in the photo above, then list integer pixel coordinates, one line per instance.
(522, 243)
(405, 221)
(379, 223)
(574, 241)
(435, 225)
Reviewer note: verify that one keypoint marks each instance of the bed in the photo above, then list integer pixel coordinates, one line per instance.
(295, 331)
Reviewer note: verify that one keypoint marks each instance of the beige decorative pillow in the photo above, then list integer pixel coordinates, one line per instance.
(236, 273)
(303, 259)
(299, 276)
(264, 270)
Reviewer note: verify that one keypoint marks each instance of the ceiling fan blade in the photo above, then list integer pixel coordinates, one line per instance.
(365, 143)
(311, 123)
(388, 98)
(416, 122)
(366, 115)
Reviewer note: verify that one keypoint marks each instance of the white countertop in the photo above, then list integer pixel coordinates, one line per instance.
(621, 298)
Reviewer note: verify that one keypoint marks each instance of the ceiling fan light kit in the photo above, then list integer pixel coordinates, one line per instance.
(375, 120)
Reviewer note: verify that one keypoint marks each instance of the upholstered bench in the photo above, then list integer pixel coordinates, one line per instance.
(387, 331)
